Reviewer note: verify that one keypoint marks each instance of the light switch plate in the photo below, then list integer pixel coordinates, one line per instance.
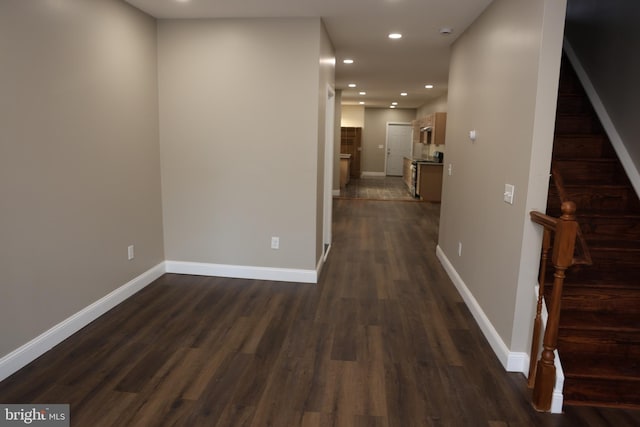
(509, 190)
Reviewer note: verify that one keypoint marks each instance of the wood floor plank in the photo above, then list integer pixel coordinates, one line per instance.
(383, 339)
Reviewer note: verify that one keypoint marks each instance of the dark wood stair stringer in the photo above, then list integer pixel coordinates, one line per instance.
(599, 330)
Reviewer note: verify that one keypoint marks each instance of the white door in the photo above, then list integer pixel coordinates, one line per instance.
(399, 141)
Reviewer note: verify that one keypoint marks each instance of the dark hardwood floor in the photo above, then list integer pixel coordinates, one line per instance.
(382, 340)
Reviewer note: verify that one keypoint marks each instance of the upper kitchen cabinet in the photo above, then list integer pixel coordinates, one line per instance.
(439, 128)
(431, 128)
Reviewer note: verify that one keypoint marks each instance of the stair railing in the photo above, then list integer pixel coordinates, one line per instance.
(542, 375)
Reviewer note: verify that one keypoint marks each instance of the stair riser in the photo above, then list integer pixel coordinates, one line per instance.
(627, 229)
(601, 392)
(596, 199)
(572, 147)
(609, 260)
(603, 302)
(594, 172)
(606, 348)
(577, 125)
(571, 104)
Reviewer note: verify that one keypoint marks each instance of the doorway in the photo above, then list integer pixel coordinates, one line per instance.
(399, 142)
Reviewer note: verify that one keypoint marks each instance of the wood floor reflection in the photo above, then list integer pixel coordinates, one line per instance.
(377, 188)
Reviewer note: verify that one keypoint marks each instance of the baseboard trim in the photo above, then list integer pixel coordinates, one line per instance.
(243, 272)
(512, 361)
(33, 349)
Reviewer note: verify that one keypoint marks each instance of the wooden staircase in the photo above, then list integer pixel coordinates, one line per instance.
(599, 330)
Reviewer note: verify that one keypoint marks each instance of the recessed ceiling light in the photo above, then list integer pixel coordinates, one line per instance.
(361, 102)
(428, 86)
(395, 36)
(362, 93)
(445, 31)
(403, 94)
(182, 1)
(352, 85)
(347, 61)
(394, 103)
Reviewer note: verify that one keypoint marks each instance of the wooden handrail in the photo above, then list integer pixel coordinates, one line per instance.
(583, 255)
(543, 376)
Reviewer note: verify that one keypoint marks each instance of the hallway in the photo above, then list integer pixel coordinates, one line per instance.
(383, 339)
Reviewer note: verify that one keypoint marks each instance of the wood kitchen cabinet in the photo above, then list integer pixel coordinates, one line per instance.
(437, 122)
(430, 181)
(351, 143)
(439, 127)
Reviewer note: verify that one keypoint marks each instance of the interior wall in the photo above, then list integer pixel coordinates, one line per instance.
(435, 105)
(503, 84)
(336, 141)
(326, 80)
(352, 116)
(239, 140)
(374, 135)
(606, 38)
(79, 158)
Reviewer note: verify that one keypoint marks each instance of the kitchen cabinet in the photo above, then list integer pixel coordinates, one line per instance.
(431, 128)
(439, 127)
(345, 169)
(351, 143)
(430, 181)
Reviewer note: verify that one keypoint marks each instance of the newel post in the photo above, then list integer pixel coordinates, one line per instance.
(562, 258)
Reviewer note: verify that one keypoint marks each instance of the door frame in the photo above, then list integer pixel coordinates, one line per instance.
(329, 124)
(386, 141)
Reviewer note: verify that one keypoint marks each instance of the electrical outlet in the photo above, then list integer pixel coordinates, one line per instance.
(130, 252)
(459, 248)
(275, 242)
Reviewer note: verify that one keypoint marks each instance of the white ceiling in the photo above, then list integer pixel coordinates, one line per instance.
(358, 29)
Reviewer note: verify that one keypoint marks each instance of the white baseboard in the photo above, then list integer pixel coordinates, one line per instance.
(372, 174)
(30, 351)
(512, 361)
(242, 271)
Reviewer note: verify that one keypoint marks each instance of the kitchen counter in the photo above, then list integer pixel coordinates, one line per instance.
(432, 160)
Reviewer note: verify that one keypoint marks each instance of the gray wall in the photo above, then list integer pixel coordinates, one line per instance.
(239, 136)
(79, 158)
(434, 105)
(605, 36)
(374, 134)
(503, 83)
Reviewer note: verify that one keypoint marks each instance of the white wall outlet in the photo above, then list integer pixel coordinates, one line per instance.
(473, 135)
(509, 190)
(459, 248)
(450, 169)
(130, 252)
(380, 146)
(275, 242)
